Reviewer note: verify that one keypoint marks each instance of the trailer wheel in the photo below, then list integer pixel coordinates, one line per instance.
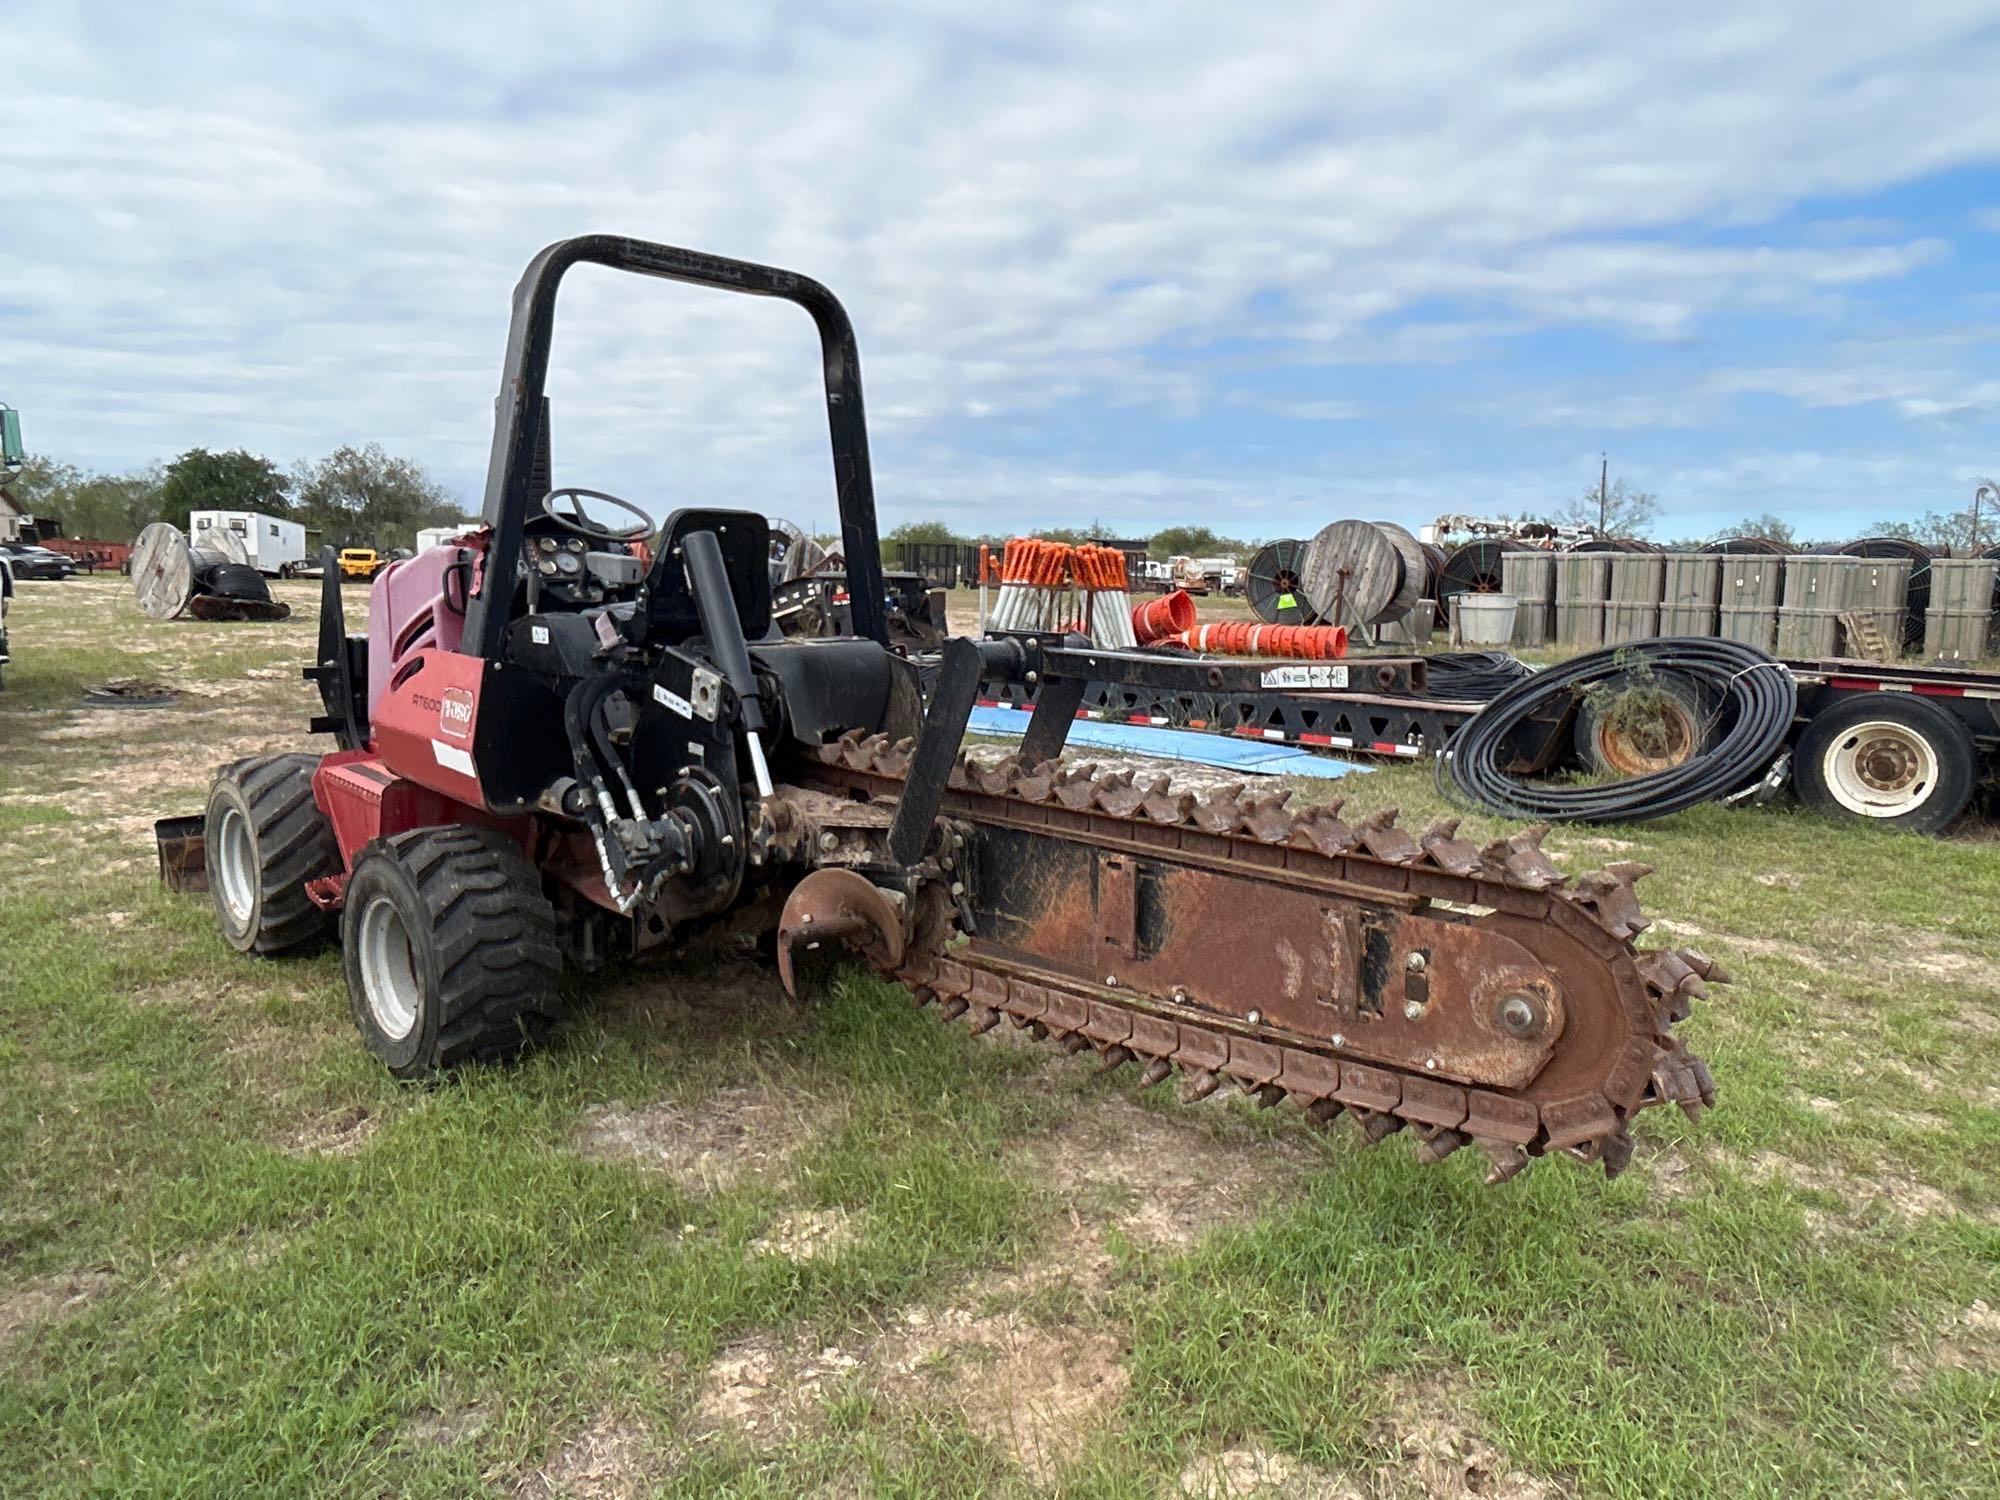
(451, 950)
(1891, 758)
(264, 838)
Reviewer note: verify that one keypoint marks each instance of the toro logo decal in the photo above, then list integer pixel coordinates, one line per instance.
(455, 713)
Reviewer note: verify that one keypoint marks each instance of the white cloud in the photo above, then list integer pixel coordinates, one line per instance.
(289, 228)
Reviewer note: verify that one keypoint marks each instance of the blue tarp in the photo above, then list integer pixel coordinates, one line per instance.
(1235, 753)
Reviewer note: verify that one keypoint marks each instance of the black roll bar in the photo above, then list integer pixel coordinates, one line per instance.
(518, 413)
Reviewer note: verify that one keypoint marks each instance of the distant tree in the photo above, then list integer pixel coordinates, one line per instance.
(115, 507)
(236, 480)
(96, 507)
(1624, 511)
(1191, 541)
(367, 497)
(923, 533)
(1941, 529)
(1767, 526)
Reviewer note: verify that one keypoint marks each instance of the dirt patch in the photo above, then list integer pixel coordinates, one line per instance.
(1730, 942)
(608, 1460)
(1434, 1451)
(49, 1300)
(1250, 1469)
(446, 1428)
(809, 1234)
(1934, 958)
(342, 1133)
(1160, 1178)
(1900, 1194)
(767, 1391)
(707, 1146)
(1969, 1341)
(1779, 880)
(1036, 1394)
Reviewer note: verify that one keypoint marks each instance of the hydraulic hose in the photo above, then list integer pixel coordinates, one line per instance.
(1756, 699)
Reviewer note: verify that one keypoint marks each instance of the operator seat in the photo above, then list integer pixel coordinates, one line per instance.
(666, 610)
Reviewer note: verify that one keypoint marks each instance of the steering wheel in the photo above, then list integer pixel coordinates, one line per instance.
(579, 522)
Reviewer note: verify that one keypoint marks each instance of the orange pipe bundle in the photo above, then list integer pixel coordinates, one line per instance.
(1242, 638)
(1163, 618)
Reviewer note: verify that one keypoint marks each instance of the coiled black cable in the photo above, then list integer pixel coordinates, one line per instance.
(1755, 696)
(1472, 676)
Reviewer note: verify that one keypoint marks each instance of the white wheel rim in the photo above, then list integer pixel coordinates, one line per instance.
(1881, 769)
(236, 864)
(389, 981)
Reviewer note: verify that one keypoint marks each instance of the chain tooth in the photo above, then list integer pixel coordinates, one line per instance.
(1444, 848)
(1376, 1128)
(1705, 966)
(1033, 783)
(995, 779)
(1440, 1141)
(1221, 811)
(1075, 786)
(1156, 1072)
(1266, 819)
(840, 752)
(1676, 984)
(1114, 794)
(982, 1019)
(895, 760)
(1163, 805)
(1383, 840)
(1518, 860)
(1508, 1161)
(963, 771)
(1320, 828)
(1615, 1152)
(1269, 1095)
(1201, 1084)
(1608, 894)
(955, 1007)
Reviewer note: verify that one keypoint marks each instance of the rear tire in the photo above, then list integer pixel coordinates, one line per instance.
(451, 950)
(264, 838)
(1890, 759)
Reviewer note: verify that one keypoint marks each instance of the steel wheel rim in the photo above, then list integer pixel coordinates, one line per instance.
(389, 981)
(236, 864)
(1624, 752)
(1881, 769)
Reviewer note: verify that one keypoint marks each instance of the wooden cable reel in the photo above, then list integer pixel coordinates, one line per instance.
(1362, 572)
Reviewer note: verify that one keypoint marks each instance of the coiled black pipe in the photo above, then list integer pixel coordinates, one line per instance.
(1756, 700)
(1473, 676)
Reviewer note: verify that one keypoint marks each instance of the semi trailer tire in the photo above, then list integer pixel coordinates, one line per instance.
(451, 950)
(264, 838)
(1892, 759)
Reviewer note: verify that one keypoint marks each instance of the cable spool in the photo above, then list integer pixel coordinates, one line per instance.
(211, 580)
(1361, 572)
(1630, 544)
(1416, 568)
(1746, 546)
(1918, 599)
(1435, 558)
(1273, 588)
(1474, 568)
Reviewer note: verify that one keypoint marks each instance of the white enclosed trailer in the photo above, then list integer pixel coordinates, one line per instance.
(271, 545)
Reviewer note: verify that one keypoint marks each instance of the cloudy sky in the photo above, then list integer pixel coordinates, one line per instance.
(1257, 266)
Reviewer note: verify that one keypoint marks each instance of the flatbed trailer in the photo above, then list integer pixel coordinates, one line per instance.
(1898, 745)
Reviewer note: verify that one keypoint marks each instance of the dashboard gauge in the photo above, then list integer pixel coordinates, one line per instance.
(548, 566)
(548, 544)
(569, 563)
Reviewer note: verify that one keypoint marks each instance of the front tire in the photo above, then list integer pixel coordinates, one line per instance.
(1891, 759)
(451, 950)
(264, 838)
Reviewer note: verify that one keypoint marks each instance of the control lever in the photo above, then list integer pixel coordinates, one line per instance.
(716, 601)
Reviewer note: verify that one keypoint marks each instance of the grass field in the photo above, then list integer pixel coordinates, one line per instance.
(715, 1243)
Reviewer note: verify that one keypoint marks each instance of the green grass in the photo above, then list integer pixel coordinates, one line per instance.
(236, 1258)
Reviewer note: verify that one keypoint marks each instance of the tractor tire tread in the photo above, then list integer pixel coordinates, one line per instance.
(496, 942)
(294, 845)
